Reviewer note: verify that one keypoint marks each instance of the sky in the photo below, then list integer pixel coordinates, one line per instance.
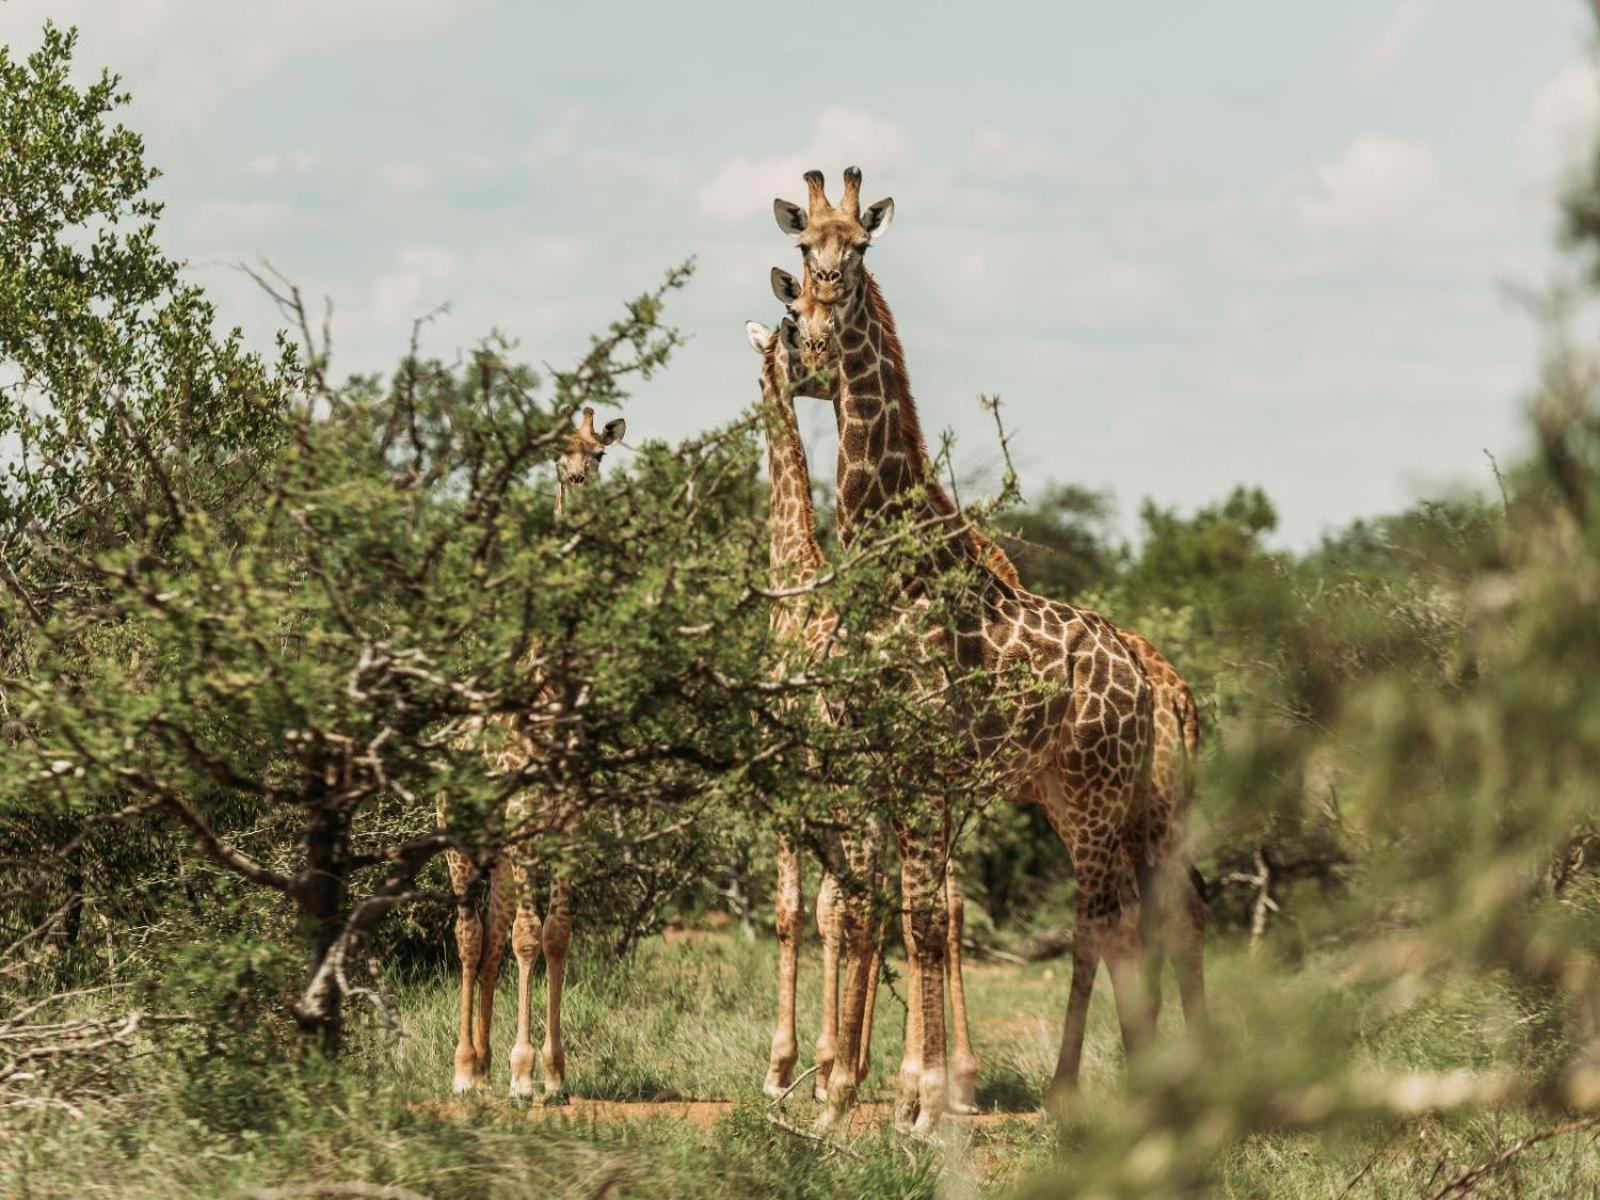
(1189, 245)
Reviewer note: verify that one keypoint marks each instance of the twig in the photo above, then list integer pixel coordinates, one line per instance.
(1366, 1169)
(775, 1120)
(804, 1075)
(1465, 1181)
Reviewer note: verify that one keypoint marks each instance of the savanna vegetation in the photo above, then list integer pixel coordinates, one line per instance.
(256, 615)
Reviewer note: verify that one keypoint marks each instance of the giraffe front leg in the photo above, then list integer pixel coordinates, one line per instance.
(926, 902)
(829, 916)
(526, 933)
(557, 937)
(963, 1062)
(910, 1073)
(859, 962)
(500, 910)
(788, 914)
(469, 945)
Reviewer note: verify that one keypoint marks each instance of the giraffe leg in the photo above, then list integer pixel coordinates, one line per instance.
(557, 937)
(926, 902)
(963, 1062)
(830, 915)
(501, 909)
(526, 934)
(1063, 1089)
(469, 945)
(785, 1046)
(905, 1105)
(1155, 926)
(1188, 941)
(873, 912)
(855, 932)
(869, 1013)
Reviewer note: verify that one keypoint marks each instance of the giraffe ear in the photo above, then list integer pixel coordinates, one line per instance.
(789, 335)
(791, 217)
(758, 334)
(613, 431)
(784, 286)
(877, 218)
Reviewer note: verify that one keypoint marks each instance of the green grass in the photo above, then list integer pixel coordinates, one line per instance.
(692, 1020)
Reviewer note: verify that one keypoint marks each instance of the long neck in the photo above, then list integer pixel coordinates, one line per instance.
(794, 554)
(884, 467)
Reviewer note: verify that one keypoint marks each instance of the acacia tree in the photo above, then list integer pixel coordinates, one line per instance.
(281, 616)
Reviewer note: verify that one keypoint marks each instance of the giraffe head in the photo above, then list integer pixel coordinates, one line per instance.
(582, 451)
(833, 241)
(807, 332)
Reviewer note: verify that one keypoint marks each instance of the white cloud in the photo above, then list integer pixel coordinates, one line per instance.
(555, 141)
(404, 178)
(1376, 183)
(183, 57)
(742, 185)
(232, 227)
(290, 162)
(411, 289)
(1000, 153)
(1390, 45)
(1560, 125)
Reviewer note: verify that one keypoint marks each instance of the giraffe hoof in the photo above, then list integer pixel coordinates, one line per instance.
(826, 1120)
(1061, 1101)
(555, 1097)
(773, 1091)
(905, 1115)
(819, 1093)
(961, 1108)
(522, 1089)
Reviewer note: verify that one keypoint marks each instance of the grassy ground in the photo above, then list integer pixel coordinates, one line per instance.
(690, 1020)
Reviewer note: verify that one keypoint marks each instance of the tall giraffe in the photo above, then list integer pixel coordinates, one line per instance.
(801, 621)
(1174, 912)
(1079, 745)
(485, 914)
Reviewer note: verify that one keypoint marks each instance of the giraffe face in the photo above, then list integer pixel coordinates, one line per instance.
(808, 334)
(833, 241)
(585, 448)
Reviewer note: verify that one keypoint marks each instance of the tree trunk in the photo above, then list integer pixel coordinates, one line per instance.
(322, 895)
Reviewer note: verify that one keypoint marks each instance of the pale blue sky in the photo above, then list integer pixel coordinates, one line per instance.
(1190, 244)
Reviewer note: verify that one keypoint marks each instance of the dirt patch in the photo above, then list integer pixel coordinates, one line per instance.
(706, 1113)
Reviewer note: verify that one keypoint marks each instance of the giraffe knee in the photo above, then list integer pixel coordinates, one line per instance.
(526, 937)
(787, 918)
(557, 936)
(469, 937)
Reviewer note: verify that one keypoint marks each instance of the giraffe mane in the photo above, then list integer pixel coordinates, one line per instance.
(989, 556)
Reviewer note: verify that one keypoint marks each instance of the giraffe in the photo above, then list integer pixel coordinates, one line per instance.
(1079, 746)
(795, 560)
(1175, 915)
(484, 914)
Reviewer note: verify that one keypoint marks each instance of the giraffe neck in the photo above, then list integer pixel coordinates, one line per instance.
(794, 555)
(884, 466)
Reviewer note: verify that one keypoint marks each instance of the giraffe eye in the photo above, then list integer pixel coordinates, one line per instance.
(862, 248)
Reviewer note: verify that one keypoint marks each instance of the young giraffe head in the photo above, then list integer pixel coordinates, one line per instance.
(807, 333)
(833, 241)
(583, 451)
